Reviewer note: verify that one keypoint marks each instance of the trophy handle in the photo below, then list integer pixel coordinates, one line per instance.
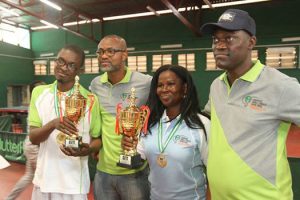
(144, 118)
(118, 128)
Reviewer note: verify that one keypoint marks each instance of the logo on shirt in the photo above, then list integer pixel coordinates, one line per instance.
(124, 96)
(254, 103)
(182, 141)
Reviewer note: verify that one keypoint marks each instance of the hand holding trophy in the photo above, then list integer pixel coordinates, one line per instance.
(75, 106)
(130, 122)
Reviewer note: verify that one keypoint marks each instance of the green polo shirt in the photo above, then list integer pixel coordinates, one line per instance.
(109, 97)
(249, 125)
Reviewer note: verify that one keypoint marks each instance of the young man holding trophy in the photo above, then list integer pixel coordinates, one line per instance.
(64, 121)
(115, 179)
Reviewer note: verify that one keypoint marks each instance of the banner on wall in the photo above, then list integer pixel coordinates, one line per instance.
(11, 146)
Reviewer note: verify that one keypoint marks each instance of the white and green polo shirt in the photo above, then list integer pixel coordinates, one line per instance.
(109, 96)
(249, 125)
(55, 171)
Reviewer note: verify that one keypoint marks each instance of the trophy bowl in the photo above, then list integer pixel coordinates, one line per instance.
(75, 106)
(130, 122)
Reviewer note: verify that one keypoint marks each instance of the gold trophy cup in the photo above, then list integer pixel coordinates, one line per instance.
(130, 122)
(74, 109)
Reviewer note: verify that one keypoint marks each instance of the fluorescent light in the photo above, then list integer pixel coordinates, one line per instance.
(8, 22)
(128, 16)
(290, 39)
(46, 54)
(75, 23)
(40, 62)
(170, 46)
(215, 5)
(80, 22)
(49, 24)
(53, 5)
(86, 51)
(9, 11)
(130, 48)
(40, 27)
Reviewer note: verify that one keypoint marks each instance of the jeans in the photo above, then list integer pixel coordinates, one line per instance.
(122, 187)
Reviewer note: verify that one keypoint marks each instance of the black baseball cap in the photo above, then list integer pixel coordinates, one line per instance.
(231, 20)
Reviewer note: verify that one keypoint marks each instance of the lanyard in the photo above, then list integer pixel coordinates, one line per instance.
(162, 146)
(57, 101)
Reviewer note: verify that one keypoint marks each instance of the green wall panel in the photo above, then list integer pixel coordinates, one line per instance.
(16, 68)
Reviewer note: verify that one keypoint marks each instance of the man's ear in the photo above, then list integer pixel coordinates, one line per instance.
(124, 55)
(252, 42)
(80, 70)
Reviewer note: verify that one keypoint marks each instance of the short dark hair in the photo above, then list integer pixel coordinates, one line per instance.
(76, 49)
(189, 108)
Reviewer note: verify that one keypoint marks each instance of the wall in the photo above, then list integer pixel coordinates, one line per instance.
(149, 33)
(16, 68)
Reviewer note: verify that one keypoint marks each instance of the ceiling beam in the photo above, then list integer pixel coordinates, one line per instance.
(42, 18)
(181, 17)
(76, 10)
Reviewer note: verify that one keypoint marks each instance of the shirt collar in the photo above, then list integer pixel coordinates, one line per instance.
(126, 79)
(165, 117)
(250, 75)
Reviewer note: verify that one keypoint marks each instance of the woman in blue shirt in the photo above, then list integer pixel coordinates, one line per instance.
(176, 144)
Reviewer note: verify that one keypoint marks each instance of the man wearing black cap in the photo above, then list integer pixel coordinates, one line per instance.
(252, 107)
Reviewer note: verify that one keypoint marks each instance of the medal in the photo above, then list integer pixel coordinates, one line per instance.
(162, 160)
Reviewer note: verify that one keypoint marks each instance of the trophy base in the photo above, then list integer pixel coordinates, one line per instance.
(73, 142)
(130, 162)
(69, 141)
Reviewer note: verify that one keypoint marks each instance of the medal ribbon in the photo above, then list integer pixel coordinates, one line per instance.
(57, 101)
(162, 146)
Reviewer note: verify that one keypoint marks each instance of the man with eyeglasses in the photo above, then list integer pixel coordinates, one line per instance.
(62, 172)
(252, 107)
(111, 181)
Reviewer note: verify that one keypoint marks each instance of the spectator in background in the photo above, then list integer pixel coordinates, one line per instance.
(30, 152)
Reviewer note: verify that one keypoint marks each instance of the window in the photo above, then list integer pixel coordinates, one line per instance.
(281, 57)
(187, 61)
(15, 35)
(91, 66)
(40, 67)
(137, 63)
(254, 55)
(211, 63)
(159, 60)
(52, 66)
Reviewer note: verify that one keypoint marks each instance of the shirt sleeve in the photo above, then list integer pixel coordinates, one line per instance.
(203, 145)
(140, 148)
(95, 125)
(207, 107)
(289, 104)
(33, 116)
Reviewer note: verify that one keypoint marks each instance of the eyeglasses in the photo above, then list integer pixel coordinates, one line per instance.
(109, 52)
(227, 40)
(61, 62)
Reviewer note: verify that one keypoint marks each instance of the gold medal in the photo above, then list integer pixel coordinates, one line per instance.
(61, 138)
(161, 160)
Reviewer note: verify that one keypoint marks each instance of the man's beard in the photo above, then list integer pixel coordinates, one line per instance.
(107, 69)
